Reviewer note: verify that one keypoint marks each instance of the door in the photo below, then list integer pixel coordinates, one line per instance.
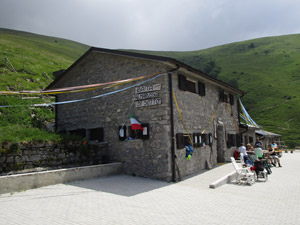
(220, 144)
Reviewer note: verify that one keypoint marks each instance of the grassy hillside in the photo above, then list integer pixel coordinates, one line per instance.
(268, 69)
(34, 57)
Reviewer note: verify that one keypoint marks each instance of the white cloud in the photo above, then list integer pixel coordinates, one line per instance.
(153, 24)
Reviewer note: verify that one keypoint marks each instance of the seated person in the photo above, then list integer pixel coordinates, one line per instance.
(274, 145)
(273, 157)
(258, 143)
(258, 152)
(250, 149)
(242, 149)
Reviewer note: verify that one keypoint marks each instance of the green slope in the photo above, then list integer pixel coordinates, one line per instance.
(34, 57)
(268, 69)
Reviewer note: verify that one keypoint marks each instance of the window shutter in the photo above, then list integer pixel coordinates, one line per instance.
(196, 140)
(222, 96)
(180, 140)
(182, 82)
(201, 88)
(231, 99)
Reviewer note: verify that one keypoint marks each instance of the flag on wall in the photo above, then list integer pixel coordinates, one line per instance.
(135, 125)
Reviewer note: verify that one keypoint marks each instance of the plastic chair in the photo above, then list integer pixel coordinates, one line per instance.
(261, 173)
(244, 175)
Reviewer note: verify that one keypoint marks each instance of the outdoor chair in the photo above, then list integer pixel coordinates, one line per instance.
(260, 155)
(260, 174)
(244, 175)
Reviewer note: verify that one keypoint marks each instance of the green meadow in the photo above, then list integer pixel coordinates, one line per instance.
(267, 69)
(34, 58)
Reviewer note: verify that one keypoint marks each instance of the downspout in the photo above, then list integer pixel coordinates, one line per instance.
(56, 111)
(173, 156)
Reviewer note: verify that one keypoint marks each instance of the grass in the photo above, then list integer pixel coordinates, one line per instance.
(268, 69)
(35, 58)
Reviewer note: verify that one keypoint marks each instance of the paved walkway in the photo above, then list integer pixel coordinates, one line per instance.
(131, 200)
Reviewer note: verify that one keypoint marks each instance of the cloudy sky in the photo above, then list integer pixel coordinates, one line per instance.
(178, 25)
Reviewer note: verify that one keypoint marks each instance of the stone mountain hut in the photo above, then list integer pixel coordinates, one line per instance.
(177, 106)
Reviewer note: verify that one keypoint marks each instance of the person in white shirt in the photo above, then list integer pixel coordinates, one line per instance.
(242, 149)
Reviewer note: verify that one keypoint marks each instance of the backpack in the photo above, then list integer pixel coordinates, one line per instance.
(236, 154)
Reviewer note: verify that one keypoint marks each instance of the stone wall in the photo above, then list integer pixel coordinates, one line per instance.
(27, 157)
(197, 111)
(151, 157)
(145, 158)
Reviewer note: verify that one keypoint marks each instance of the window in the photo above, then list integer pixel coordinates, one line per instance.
(231, 99)
(182, 140)
(231, 140)
(78, 132)
(139, 134)
(191, 86)
(251, 140)
(205, 139)
(224, 97)
(96, 134)
(188, 85)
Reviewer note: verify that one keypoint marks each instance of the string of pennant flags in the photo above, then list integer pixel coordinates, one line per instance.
(81, 88)
(69, 89)
(249, 121)
(246, 117)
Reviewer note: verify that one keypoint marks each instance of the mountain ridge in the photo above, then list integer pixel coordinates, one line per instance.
(267, 69)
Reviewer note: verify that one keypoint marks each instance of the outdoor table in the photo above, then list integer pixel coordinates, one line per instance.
(267, 153)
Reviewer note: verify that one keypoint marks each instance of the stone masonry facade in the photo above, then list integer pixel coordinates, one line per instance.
(150, 157)
(147, 158)
(197, 111)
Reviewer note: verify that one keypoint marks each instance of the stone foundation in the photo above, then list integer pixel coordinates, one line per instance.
(28, 157)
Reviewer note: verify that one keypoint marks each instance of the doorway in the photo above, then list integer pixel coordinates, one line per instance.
(220, 145)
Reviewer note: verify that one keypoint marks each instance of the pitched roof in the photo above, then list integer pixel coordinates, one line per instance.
(149, 57)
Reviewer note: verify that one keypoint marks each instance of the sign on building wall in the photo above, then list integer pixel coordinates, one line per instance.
(147, 95)
(154, 87)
